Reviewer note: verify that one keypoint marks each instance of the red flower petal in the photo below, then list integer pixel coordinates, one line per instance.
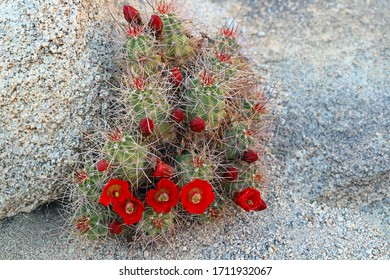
(250, 199)
(197, 196)
(146, 126)
(197, 124)
(114, 191)
(164, 198)
(130, 210)
(250, 156)
(115, 227)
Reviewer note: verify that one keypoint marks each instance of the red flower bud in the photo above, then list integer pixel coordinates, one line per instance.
(156, 24)
(197, 124)
(115, 227)
(231, 174)
(102, 165)
(176, 77)
(146, 126)
(250, 156)
(163, 170)
(132, 15)
(177, 115)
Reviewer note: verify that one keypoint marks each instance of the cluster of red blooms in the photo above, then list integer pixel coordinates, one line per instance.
(195, 197)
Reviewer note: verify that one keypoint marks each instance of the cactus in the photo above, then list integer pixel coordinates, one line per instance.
(129, 156)
(149, 101)
(205, 100)
(237, 140)
(156, 223)
(191, 166)
(176, 43)
(189, 107)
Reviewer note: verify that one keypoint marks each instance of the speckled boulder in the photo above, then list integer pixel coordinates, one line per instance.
(55, 59)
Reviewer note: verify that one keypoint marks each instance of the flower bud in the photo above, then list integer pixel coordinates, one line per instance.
(156, 24)
(115, 227)
(102, 165)
(146, 126)
(132, 15)
(177, 115)
(197, 124)
(176, 77)
(250, 156)
(163, 170)
(231, 174)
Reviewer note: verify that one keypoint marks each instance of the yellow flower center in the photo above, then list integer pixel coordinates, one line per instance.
(129, 207)
(250, 202)
(116, 194)
(163, 197)
(195, 199)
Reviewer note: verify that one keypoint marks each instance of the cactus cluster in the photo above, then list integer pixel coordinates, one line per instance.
(183, 141)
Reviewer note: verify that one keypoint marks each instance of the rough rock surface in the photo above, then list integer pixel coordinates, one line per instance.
(54, 61)
(329, 191)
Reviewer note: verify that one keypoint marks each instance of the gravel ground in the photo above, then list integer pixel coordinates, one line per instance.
(329, 191)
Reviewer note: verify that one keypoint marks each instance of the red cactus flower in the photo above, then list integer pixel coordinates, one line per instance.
(114, 191)
(163, 170)
(250, 199)
(250, 156)
(175, 76)
(197, 124)
(82, 176)
(231, 174)
(156, 24)
(164, 198)
(130, 210)
(115, 227)
(146, 126)
(207, 79)
(83, 224)
(177, 115)
(132, 15)
(116, 136)
(197, 196)
(102, 165)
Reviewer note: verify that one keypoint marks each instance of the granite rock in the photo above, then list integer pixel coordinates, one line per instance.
(56, 58)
